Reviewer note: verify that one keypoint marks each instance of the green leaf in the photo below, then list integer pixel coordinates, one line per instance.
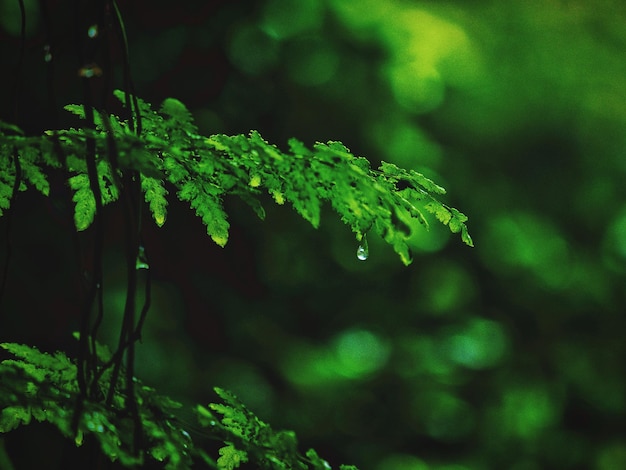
(85, 208)
(230, 458)
(44, 387)
(317, 462)
(155, 192)
(5, 126)
(179, 115)
(204, 198)
(12, 417)
(76, 109)
(236, 417)
(32, 172)
(441, 213)
(7, 180)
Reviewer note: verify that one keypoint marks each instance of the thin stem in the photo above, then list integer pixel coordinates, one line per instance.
(87, 355)
(129, 89)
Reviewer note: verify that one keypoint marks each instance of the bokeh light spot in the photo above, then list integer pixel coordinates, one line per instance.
(615, 242)
(428, 53)
(444, 416)
(352, 355)
(252, 50)
(478, 345)
(359, 352)
(286, 18)
(445, 286)
(415, 87)
(404, 143)
(526, 242)
(527, 410)
(312, 61)
(611, 456)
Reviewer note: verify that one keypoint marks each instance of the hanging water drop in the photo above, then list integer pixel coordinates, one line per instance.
(363, 252)
(142, 259)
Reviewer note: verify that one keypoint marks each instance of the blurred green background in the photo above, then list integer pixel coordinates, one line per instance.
(509, 355)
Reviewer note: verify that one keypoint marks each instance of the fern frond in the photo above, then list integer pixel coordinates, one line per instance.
(152, 121)
(237, 418)
(178, 117)
(155, 195)
(39, 386)
(230, 458)
(248, 437)
(367, 200)
(7, 180)
(43, 387)
(205, 199)
(28, 150)
(31, 170)
(204, 170)
(85, 202)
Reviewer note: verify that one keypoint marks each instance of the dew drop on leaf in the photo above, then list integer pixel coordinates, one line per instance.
(363, 252)
(142, 260)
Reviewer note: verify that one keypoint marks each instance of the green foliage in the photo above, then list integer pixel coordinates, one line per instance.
(31, 161)
(41, 386)
(247, 437)
(204, 170)
(169, 152)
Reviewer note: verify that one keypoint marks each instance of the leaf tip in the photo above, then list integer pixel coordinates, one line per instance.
(219, 239)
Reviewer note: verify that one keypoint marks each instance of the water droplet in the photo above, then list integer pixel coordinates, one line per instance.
(92, 32)
(47, 53)
(142, 260)
(363, 251)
